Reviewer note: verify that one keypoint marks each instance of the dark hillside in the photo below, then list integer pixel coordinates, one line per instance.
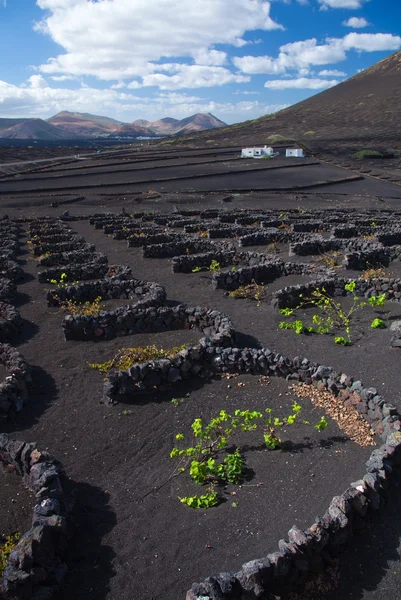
(362, 112)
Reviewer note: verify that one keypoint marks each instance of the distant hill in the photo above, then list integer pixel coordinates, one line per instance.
(141, 122)
(7, 123)
(197, 122)
(75, 125)
(84, 124)
(33, 129)
(361, 112)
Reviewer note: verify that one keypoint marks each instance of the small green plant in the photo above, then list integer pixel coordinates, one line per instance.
(7, 544)
(322, 424)
(297, 326)
(214, 267)
(378, 324)
(341, 341)
(287, 312)
(331, 314)
(62, 282)
(211, 498)
(208, 461)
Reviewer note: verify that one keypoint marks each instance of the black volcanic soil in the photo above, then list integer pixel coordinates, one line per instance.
(134, 538)
(134, 541)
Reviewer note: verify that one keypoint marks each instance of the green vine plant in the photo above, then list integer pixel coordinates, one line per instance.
(209, 462)
(63, 282)
(214, 267)
(332, 315)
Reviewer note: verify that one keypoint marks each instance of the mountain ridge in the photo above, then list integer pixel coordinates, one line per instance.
(361, 112)
(75, 125)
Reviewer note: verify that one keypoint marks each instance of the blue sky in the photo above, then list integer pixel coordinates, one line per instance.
(147, 59)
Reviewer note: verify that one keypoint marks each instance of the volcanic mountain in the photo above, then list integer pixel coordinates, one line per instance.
(361, 112)
(197, 122)
(32, 129)
(78, 125)
(74, 125)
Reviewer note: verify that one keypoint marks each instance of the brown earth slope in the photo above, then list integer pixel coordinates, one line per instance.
(361, 112)
(33, 129)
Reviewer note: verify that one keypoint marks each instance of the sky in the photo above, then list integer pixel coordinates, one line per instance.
(148, 59)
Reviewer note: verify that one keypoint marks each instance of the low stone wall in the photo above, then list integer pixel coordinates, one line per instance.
(186, 263)
(390, 238)
(289, 297)
(53, 238)
(345, 231)
(127, 233)
(190, 246)
(233, 231)
(75, 243)
(308, 552)
(232, 280)
(126, 320)
(8, 290)
(83, 255)
(14, 389)
(262, 270)
(308, 226)
(373, 257)
(317, 245)
(137, 241)
(35, 568)
(10, 321)
(268, 236)
(147, 293)
(11, 270)
(78, 272)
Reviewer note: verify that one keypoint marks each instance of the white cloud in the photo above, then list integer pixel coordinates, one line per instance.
(331, 73)
(325, 4)
(63, 78)
(356, 22)
(174, 98)
(193, 76)
(123, 39)
(296, 55)
(37, 81)
(303, 54)
(210, 57)
(371, 42)
(245, 93)
(43, 102)
(301, 83)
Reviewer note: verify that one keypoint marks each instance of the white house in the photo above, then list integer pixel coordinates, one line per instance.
(297, 152)
(256, 152)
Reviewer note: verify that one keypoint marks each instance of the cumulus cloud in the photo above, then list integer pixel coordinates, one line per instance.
(193, 76)
(356, 22)
(300, 83)
(331, 73)
(38, 101)
(37, 81)
(304, 54)
(124, 39)
(325, 4)
(371, 42)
